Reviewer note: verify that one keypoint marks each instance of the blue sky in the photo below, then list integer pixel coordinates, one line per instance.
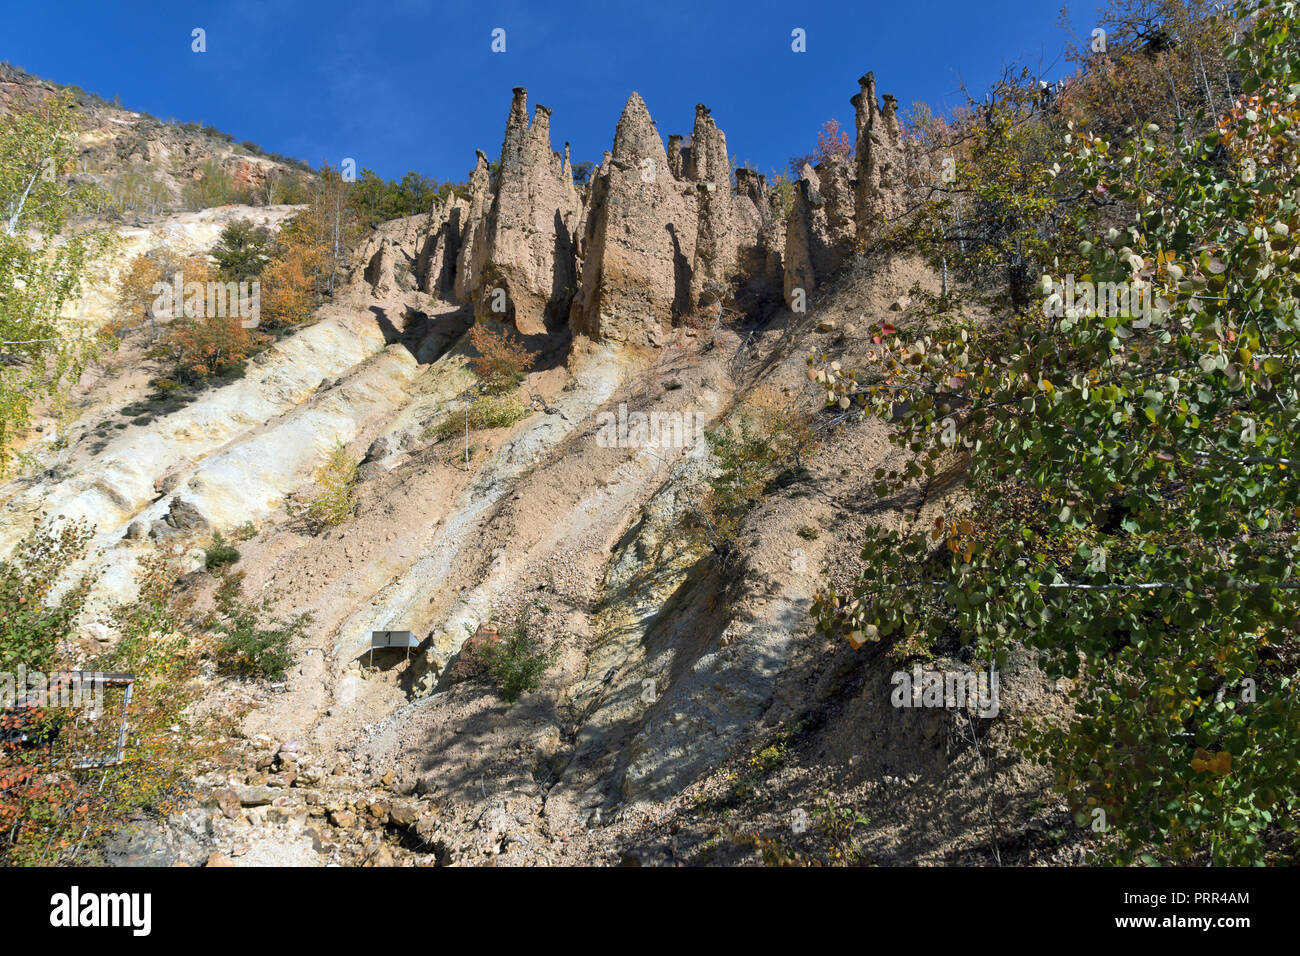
(406, 84)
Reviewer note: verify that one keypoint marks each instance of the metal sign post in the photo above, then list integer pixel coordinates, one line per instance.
(392, 639)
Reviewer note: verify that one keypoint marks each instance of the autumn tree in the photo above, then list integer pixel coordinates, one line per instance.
(312, 252)
(202, 344)
(289, 282)
(1155, 61)
(988, 204)
(135, 292)
(500, 361)
(211, 346)
(832, 140)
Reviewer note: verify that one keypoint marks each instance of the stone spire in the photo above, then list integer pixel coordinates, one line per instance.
(636, 138)
(676, 160)
(710, 168)
(878, 195)
(512, 149)
(639, 239)
(473, 246)
(530, 247)
(707, 160)
(753, 184)
(539, 137)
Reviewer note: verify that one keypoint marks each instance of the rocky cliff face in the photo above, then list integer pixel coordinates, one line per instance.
(658, 234)
(838, 208)
(143, 160)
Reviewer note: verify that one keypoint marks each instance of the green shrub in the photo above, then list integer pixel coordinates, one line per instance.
(288, 190)
(486, 411)
(517, 662)
(402, 273)
(836, 824)
(761, 450)
(219, 553)
(251, 644)
(242, 251)
(782, 201)
(496, 412)
(31, 630)
(134, 187)
(771, 757)
(335, 496)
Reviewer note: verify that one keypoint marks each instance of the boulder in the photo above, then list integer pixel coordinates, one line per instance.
(380, 856)
(228, 801)
(255, 796)
(469, 660)
(404, 813)
(344, 819)
(185, 517)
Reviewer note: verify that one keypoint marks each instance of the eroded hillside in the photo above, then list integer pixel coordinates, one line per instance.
(149, 167)
(691, 713)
